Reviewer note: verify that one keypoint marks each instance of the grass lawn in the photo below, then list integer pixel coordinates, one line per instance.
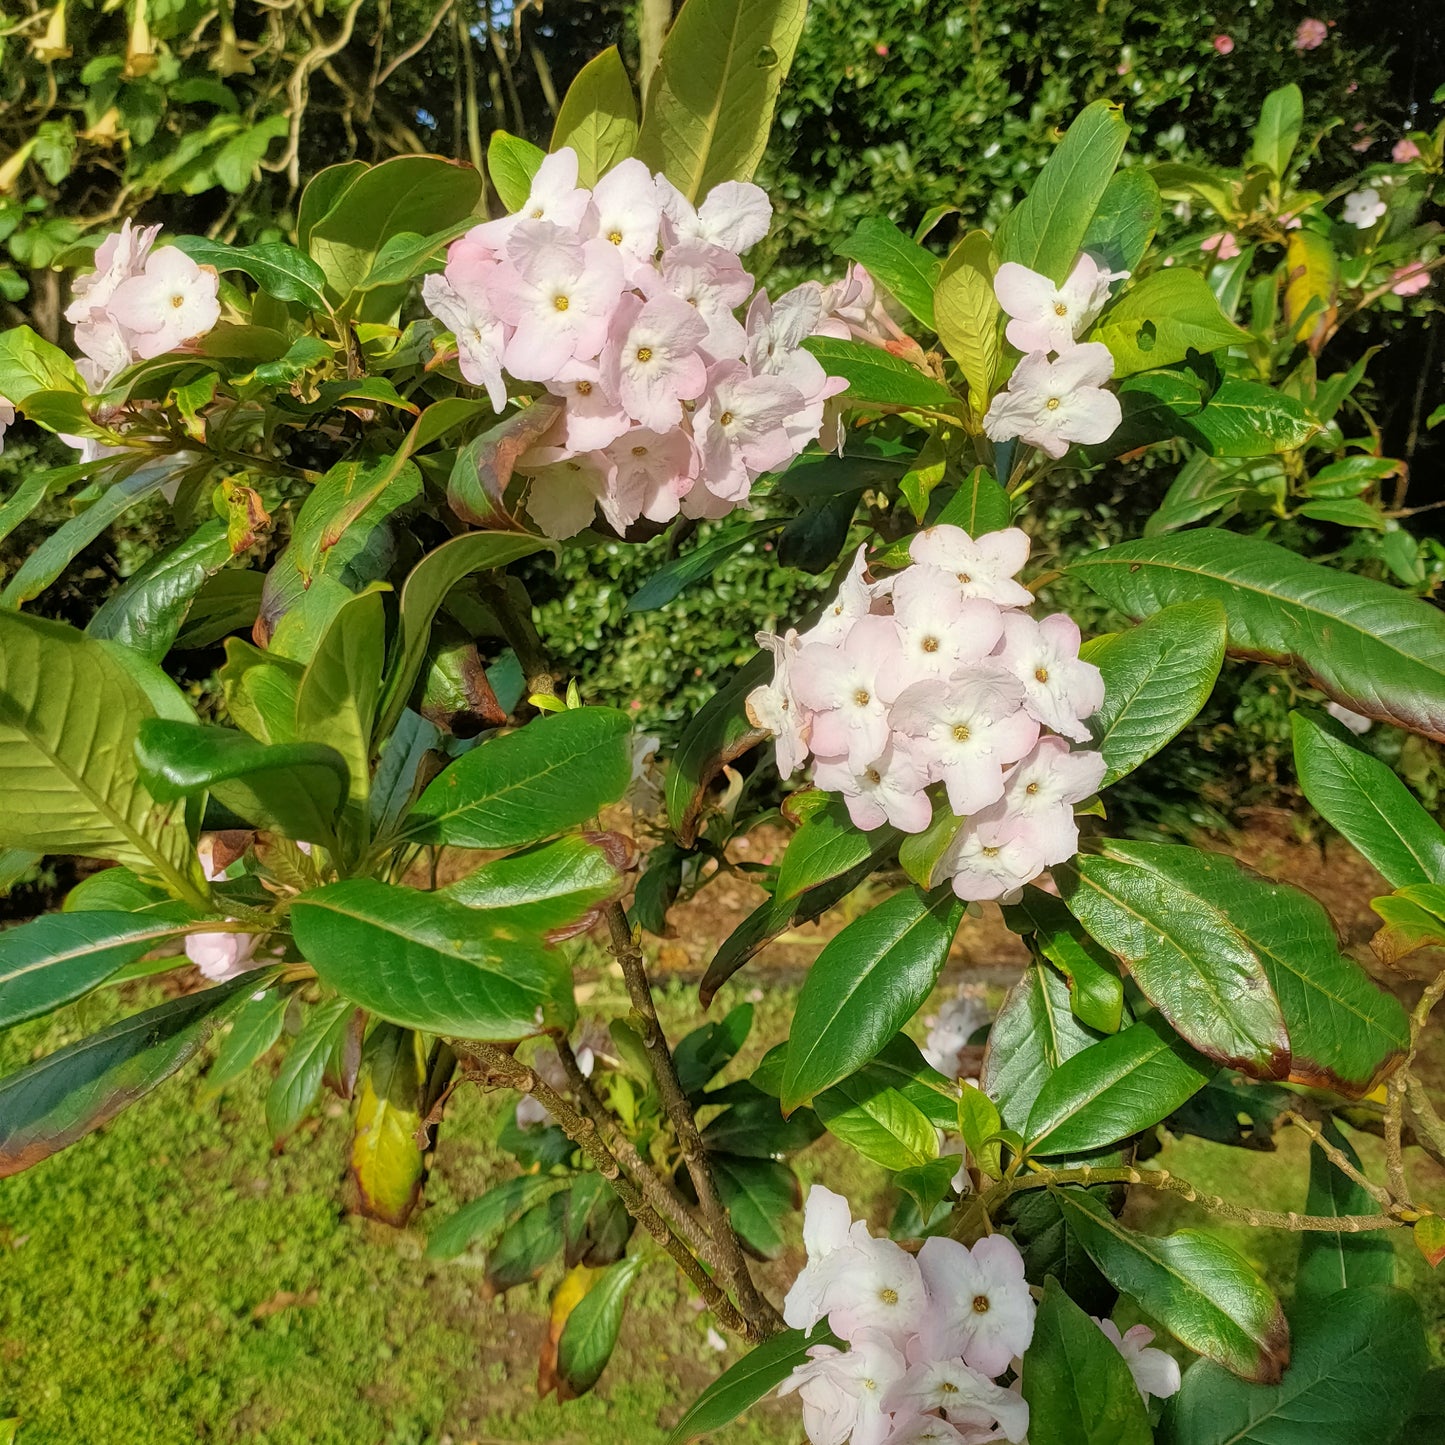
(170, 1280)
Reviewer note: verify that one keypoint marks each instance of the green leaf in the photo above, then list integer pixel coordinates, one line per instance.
(69, 715)
(524, 1251)
(407, 255)
(753, 1378)
(1034, 1033)
(553, 891)
(979, 1124)
(1078, 1387)
(968, 315)
(1115, 1088)
(907, 271)
(1046, 230)
(428, 963)
(827, 844)
(1365, 644)
(1156, 678)
(52, 1103)
(1161, 319)
(674, 577)
(297, 1084)
(511, 163)
(1096, 993)
(710, 102)
(1277, 132)
(484, 1219)
(598, 118)
(1365, 799)
(257, 1027)
(928, 1185)
(295, 789)
(866, 984)
(386, 1160)
(1331, 1262)
(1125, 222)
(1249, 419)
(590, 1334)
(146, 614)
(920, 855)
(878, 1122)
(876, 377)
(278, 269)
(30, 364)
(226, 602)
(59, 957)
(1358, 1357)
(1201, 1291)
(980, 505)
(321, 193)
(825, 474)
(757, 1194)
(556, 772)
(598, 1225)
(1349, 512)
(812, 540)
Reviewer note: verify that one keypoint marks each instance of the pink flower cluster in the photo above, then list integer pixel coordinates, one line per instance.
(621, 301)
(937, 676)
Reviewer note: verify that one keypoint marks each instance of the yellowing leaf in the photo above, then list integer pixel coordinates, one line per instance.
(967, 312)
(1309, 293)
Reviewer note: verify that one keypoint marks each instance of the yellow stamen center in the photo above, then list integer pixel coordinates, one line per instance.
(726, 419)
(862, 698)
(1052, 403)
(960, 732)
(644, 354)
(980, 1301)
(584, 388)
(615, 237)
(1041, 674)
(561, 303)
(1060, 309)
(930, 644)
(177, 301)
(888, 1296)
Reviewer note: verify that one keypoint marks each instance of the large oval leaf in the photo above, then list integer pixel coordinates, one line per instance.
(866, 984)
(1115, 1088)
(1201, 1291)
(878, 377)
(69, 713)
(1198, 931)
(1156, 678)
(898, 261)
(710, 101)
(428, 963)
(590, 1334)
(1161, 319)
(556, 772)
(52, 1103)
(1375, 649)
(827, 844)
(1365, 799)
(1358, 1357)
(598, 118)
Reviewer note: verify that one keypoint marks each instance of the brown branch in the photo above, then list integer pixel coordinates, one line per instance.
(417, 47)
(1340, 1159)
(493, 1066)
(759, 1311)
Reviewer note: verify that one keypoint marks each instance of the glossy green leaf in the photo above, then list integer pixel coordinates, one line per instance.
(1347, 512)
(253, 1034)
(1369, 646)
(528, 1246)
(1117, 1087)
(878, 1123)
(979, 1124)
(598, 118)
(1078, 1388)
(60, 956)
(295, 789)
(1331, 1262)
(386, 1159)
(968, 315)
(297, 1084)
(556, 772)
(753, 1378)
(1125, 222)
(827, 844)
(597, 1226)
(30, 364)
(1156, 678)
(511, 163)
(1358, 1357)
(50, 1104)
(1364, 798)
(553, 891)
(1249, 419)
(422, 595)
(226, 602)
(921, 855)
(483, 1220)
(428, 963)
(710, 102)
(1277, 132)
(674, 577)
(897, 261)
(758, 1195)
(278, 269)
(980, 505)
(1161, 319)
(708, 1049)
(876, 377)
(866, 984)
(590, 1334)
(1201, 1291)
(69, 715)
(1096, 993)
(1046, 230)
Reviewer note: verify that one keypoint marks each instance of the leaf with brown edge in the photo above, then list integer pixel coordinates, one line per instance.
(387, 1165)
(476, 489)
(571, 1289)
(1429, 1235)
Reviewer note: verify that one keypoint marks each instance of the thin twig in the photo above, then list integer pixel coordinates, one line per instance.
(492, 1065)
(418, 46)
(1340, 1159)
(694, 1153)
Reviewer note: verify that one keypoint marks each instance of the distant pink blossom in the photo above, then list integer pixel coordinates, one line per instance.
(1410, 280)
(1311, 34)
(1221, 245)
(1223, 44)
(1404, 150)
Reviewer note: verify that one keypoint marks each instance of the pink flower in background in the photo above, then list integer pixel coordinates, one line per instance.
(1221, 245)
(842, 687)
(648, 474)
(1410, 280)
(1223, 45)
(555, 197)
(1311, 34)
(740, 427)
(1404, 150)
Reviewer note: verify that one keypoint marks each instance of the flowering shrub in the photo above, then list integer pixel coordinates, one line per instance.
(376, 850)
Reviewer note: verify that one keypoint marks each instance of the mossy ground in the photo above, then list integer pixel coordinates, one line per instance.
(170, 1280)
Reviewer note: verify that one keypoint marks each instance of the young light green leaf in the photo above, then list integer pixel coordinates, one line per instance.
(386, 1160)
(511, 163)
(598, 118)
(297, 1084)
(257, 1027)
(968, 315)
(878, 1122)
(1277, 132)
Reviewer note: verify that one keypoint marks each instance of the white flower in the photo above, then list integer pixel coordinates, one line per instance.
(775, 707)
(1155, 1372)
(1363, 208)
(172, 301)
(555, 196)
(965, 1395)
(854, 600)
(871, 1286)
(1060, 690)
(1048, 317)
(7, 419)
(844, 687)
(652, 364)
(734, 215)
(890, 789)
(994, 855)
(979, 1303)
(119, 257)
(563, 495)
(220, 956)
(627, 211)
(1050, 404)
(843, 1392)
(473, 320)
(983, 567)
